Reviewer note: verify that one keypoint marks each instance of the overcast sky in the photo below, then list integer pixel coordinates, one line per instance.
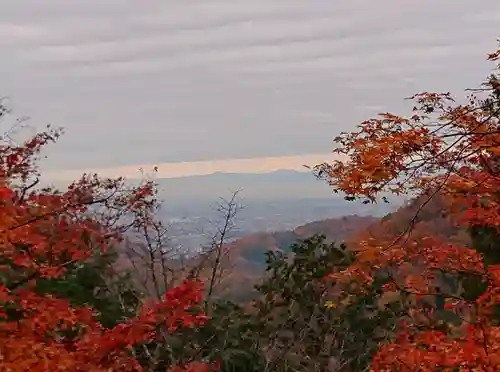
(147, 82)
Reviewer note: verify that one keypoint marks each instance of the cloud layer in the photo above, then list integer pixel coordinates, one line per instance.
(161, 81)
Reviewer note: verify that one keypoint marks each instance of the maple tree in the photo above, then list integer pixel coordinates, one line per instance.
(447, 150)
(100, 284)
(46, 232)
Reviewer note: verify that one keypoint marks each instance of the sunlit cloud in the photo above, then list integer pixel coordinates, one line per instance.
(185, 169)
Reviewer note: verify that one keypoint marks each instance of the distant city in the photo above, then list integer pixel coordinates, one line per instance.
(276, 201)
(193, 225)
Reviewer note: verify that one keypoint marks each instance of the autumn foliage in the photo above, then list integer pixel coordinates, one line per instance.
(45, 231)
(446, 155)
(450, 150)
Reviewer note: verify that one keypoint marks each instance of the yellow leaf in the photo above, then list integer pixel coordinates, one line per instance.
(330, 305)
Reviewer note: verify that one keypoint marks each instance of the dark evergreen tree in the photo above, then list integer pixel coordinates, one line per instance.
(305, 329)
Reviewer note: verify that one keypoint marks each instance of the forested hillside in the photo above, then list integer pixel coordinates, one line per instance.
(248, 254)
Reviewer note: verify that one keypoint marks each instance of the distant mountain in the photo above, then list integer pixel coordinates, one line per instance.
(281, 183)
(275, 185)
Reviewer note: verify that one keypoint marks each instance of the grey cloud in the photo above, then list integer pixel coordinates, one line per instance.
(164, 80)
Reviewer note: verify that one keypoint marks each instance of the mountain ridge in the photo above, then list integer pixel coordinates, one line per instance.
(425, 218)
(271, 185)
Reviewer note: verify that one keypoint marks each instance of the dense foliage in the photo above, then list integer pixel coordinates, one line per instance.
(48, 242)
(305, 328)
(447, 150)
(403, 299)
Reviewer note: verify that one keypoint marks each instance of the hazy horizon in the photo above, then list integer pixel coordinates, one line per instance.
(261, 165)
(275, 186)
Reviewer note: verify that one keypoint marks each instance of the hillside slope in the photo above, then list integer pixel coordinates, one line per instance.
(245, 262)
(247, 255)
(419, 216)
